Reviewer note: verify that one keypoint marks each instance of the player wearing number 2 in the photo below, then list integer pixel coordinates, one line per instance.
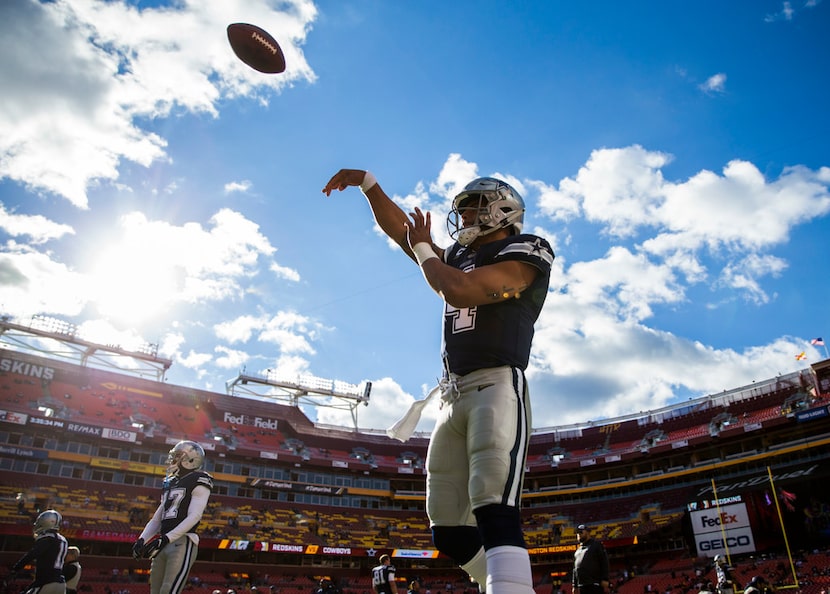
(170, 537)
(493, 281)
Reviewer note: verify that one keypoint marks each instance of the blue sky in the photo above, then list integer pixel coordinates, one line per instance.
(155, 189)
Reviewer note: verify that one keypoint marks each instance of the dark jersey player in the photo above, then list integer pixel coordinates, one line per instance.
(170, 537)
(48, 554)
(493, 281)
(383, 577)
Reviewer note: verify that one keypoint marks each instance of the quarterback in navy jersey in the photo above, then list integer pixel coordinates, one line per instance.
(494, 281)
(170, 538)
(48, 553)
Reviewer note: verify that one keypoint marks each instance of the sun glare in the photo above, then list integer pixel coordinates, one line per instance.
(131, 284)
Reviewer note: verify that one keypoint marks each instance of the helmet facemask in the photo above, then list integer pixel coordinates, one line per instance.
(497, 206)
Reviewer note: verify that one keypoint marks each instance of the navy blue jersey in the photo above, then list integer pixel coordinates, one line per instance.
(176, 496)
(500, 333)
(382, 576)
(49, 553)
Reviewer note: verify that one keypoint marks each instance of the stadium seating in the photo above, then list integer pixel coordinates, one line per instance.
(628, 478)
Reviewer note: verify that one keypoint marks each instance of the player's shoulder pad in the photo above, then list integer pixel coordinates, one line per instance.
(528, 248)
(204, 479)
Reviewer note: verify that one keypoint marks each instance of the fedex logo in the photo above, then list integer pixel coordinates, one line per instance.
(256, 421)
(721, 520)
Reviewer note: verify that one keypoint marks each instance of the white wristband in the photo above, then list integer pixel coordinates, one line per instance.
(368, 182)
(423, 252)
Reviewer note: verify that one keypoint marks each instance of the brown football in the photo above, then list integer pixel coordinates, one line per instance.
(256, 47)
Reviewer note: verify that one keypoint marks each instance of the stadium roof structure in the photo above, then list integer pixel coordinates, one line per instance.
(304, 390)
(59, 340)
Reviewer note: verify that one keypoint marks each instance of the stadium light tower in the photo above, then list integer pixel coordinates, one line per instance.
(304, 390)
(59, 339)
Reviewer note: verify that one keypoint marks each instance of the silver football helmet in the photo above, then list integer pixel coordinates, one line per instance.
(185, 455)
(497, 204)
(48, 520)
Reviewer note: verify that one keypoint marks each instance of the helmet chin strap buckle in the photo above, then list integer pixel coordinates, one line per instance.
(468, 235)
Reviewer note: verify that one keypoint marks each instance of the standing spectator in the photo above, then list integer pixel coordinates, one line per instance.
(72, 570)
(493, 280)
(48, 554)
(590, 574)
(170, 537)
(383, 577)
(327, 586)
(759, 585)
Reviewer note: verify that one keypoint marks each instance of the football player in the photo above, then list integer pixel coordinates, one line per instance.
(170, 537)
(493, 280)
(48, 553)
(383, 577)
(726, 583)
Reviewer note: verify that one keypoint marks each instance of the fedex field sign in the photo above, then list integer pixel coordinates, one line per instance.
(718, 529)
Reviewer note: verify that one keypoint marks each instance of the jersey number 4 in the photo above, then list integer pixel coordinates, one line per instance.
(462, 319)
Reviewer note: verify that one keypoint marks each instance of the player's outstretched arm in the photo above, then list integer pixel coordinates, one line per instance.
(388, 215)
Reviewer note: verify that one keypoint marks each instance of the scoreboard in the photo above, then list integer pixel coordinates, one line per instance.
(721, 526)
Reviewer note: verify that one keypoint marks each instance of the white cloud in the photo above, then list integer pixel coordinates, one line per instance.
(627, 284)
(230, 358)
(240, 186)
(715, 83)
(285, 272)
(620, 188)
(293, 334)
(37, 228)
(33, 283)
(786, 13)
(193, 359)
(72, 107)
(238, 330)
(387, 403)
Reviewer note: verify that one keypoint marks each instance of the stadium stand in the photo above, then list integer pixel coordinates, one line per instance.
(295, 501)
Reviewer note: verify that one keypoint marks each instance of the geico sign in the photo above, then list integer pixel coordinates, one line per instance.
(717, 544)
(720, 520)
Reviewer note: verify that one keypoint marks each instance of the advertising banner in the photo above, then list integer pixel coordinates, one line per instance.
(717, 529)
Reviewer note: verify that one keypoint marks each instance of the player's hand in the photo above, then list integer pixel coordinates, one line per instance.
(138, 548)
(155, 546)
(419, 228)
(343, 179)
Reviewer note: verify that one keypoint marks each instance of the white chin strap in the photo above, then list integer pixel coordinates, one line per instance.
(468, 235)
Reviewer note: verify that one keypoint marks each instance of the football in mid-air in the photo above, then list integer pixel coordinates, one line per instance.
(256, 47)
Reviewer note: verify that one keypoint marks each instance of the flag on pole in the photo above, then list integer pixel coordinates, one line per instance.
(817, 341)
(800, 356)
